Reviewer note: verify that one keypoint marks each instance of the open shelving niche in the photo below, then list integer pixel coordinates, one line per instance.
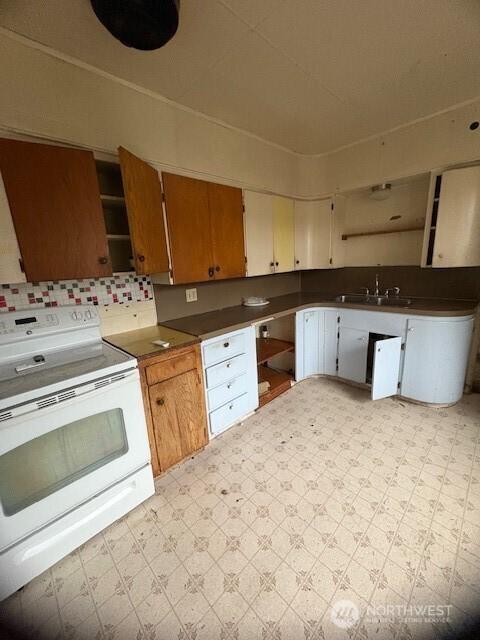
(116, 219)
(275, 360)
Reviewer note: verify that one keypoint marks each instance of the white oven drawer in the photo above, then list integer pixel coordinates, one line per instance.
(227, 391)
(226, 370)
(229, 413)
(226, 347)
(55, 458)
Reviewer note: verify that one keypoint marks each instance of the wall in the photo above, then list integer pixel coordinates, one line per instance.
(171, 302)
(460, 283)
(45, 96)
(434, 142)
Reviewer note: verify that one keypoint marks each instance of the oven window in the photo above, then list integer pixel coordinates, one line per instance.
(40, 467)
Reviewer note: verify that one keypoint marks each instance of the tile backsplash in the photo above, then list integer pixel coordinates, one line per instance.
(102, 291)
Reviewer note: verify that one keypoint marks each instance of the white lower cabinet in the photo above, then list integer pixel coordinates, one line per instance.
(436, 358)
(230, 373)
(421, 358)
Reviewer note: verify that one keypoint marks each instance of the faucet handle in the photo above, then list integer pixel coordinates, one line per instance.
(366, 290)
(395, 290)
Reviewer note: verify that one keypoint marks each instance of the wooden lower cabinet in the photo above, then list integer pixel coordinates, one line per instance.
(174, 406)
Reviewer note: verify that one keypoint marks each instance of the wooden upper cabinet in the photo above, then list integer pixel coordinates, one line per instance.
(188, 218)
(55, 203)
(226, 221)
(143, 198)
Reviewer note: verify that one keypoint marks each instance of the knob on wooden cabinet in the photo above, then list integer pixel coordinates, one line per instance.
(141, 258)
(103, 259)
(160, 401)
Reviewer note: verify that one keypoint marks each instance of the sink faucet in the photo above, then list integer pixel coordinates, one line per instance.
(377, 286)
(395, 290)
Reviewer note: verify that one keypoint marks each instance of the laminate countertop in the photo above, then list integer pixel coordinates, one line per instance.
(139, 342)
(214, 323)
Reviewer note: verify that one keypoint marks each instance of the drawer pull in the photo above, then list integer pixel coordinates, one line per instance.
(226, 345)
(230, 406)
(229, 385)
(229, 364)
(160, 401)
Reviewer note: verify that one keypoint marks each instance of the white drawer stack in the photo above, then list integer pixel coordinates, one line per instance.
(230, 368)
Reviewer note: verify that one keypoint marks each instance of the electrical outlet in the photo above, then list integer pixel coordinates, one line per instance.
(191, 295)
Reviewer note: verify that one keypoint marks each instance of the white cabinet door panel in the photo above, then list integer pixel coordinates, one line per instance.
(312, 234)
(457, 237)
(311, 337)
(258, 233)
(436, 356)
(386, 365)
(283, 234)
(352, 354)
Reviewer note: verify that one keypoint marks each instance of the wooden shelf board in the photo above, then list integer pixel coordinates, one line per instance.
(280, 381)
(112, 200)
(118, 236)
(269, 347)
(346, 236)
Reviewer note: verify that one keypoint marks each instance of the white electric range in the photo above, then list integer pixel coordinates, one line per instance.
(74, 454)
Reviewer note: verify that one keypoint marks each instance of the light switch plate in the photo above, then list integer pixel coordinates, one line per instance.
(191, 295)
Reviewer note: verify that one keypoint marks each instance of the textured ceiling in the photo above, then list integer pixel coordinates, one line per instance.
(310, 75)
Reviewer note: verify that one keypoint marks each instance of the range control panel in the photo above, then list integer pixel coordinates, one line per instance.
(44, 320)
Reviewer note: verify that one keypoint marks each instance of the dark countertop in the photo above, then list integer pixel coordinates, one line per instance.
(213, 323)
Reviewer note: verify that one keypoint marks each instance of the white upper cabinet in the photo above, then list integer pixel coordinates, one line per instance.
(10, 257)
(456, 230)
(312, 234)
(269, 233)
(283, 234)
(259, 233)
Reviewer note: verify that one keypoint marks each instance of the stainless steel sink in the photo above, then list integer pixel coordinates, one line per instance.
(377, 301)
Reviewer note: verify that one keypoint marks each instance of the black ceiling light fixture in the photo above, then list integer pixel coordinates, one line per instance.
(141, 24)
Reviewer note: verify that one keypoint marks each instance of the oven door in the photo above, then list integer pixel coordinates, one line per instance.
(58, 457)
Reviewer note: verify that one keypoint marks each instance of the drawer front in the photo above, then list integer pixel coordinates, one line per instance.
(223, 348)
(227, 391)
(171, 367)
(226, 370)
(229, 413)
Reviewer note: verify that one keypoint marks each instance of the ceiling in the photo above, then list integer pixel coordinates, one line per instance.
(310, 75)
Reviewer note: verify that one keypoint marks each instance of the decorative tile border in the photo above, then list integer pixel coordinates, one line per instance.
(102, 291)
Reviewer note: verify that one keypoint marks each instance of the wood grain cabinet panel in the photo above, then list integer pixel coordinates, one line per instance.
(226, 222)
(174, 403)
(188, 219)
(143, 197)
(54, 199)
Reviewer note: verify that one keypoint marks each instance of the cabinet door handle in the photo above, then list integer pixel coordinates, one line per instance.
(362, 339)
(211, 272)
(230, 406)
(229, 385)
(103, 260)
(229, 364)
(297, 261)
(217, 268)
(272, 264)
(276, 264)
(226, 344)
(160, 401)
(141, 258)
(410, 328)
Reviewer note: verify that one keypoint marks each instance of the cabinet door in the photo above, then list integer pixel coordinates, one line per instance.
(457, 236)
(178, 416)
(311, 344)
(312, 234)
(189, 229)
(352, 354)
(10, 258)
(143, 197)
(386, 366)
(259, 233)
(226, 220)
(55, 204)
(283, 234)
(436, 357)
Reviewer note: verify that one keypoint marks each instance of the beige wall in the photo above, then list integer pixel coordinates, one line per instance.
(45, 96)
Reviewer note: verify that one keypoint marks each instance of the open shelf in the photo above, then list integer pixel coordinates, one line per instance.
(118, 236)
(118, 201)
(269, 347)
(280, 381)
(346, 236)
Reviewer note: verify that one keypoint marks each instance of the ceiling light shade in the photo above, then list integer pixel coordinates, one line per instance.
(381, 191)
(140, 24)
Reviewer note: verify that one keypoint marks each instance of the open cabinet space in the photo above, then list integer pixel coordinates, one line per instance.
(275, 357)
